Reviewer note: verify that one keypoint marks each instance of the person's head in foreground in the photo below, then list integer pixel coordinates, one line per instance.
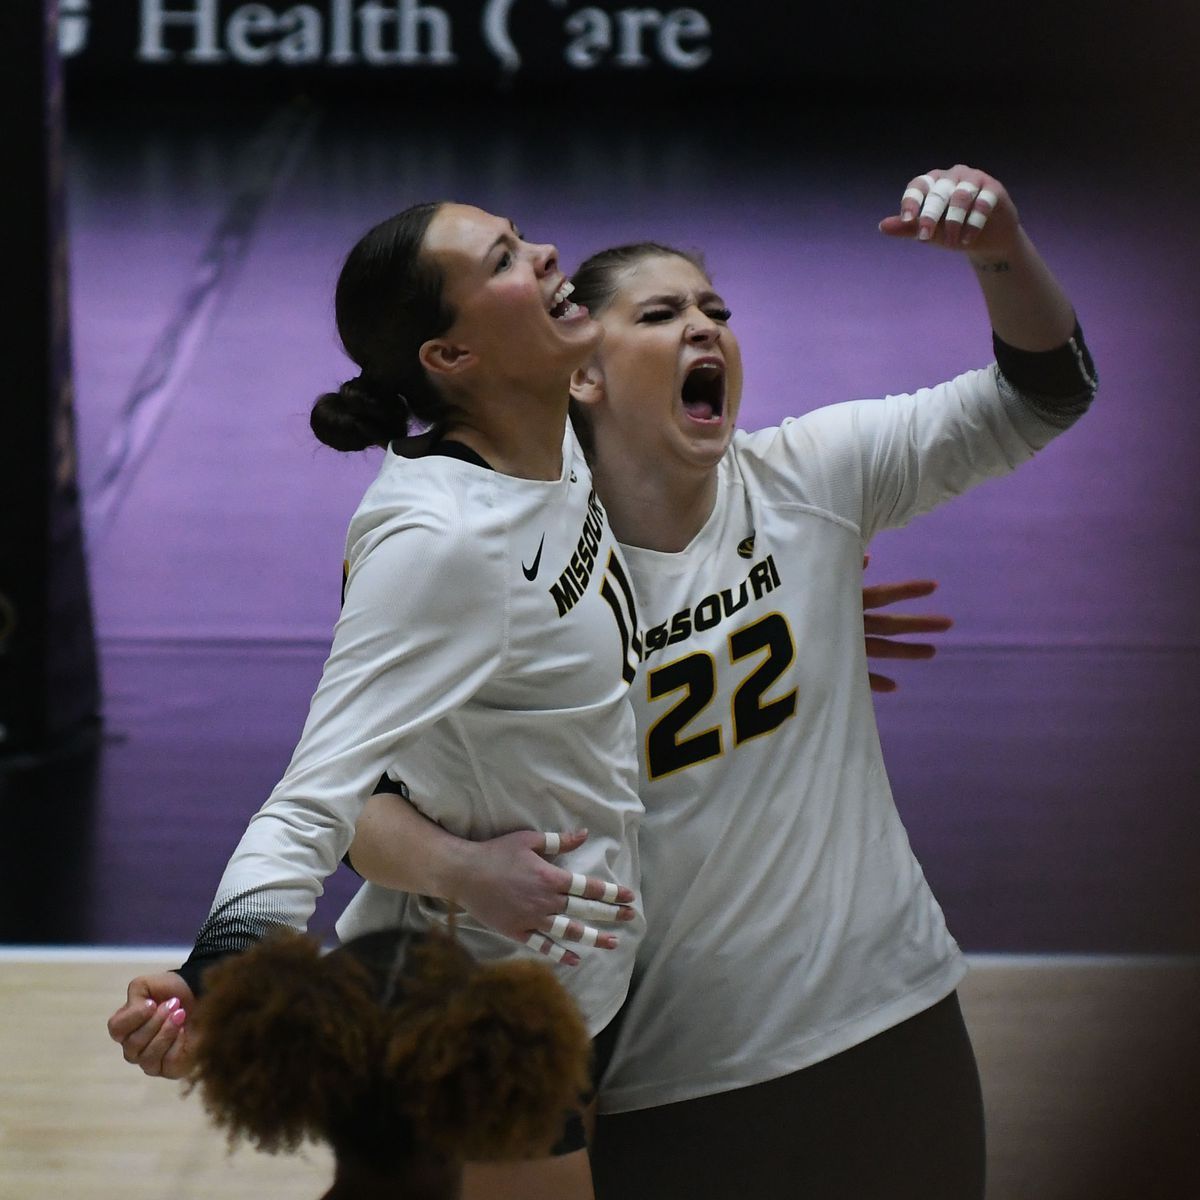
(398, 1050)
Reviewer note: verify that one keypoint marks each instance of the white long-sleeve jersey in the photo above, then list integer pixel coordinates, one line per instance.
(488, 637)
(787, 918)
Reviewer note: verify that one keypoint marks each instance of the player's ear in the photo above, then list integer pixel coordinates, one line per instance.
(587, 383)
(445, 358)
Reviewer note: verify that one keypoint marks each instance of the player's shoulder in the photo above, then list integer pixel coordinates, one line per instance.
(794, 450)
(441, 511)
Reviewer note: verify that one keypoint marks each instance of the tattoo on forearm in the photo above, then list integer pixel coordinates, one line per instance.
(992, 268)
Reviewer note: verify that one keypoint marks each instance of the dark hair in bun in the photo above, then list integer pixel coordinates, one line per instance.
(388, 303)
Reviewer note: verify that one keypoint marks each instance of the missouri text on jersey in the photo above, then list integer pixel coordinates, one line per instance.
(763, 578)
(572, 583)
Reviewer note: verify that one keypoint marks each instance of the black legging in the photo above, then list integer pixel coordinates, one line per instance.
(899, 1117)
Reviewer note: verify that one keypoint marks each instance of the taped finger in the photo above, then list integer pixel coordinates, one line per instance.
(590, 910)
(563, 928)
(910, 203)
(543, 945)
(964, 192)
(984, 203)
(593, 889)
(553, 844)
(914, 197)
(936, 201)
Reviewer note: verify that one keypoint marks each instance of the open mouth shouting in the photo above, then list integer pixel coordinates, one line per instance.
(561, 307)
(703, 391)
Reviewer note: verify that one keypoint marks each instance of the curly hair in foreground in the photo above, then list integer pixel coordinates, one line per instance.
(399, 1050)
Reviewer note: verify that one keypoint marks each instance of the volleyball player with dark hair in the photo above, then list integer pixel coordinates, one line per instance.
(487, 639)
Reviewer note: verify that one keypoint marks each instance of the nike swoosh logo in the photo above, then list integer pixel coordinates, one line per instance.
(531, 572)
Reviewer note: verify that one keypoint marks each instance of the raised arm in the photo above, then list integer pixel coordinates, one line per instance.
(915, 451)
(966, 210)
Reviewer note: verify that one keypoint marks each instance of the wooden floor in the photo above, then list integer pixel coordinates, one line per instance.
(1090, 1071)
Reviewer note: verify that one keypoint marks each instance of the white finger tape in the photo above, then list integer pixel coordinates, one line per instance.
(977, 219)
(560, 925)
(553, 844)
(590, 910)
(928, 181)
(913, 193)
(988, 197)
(543, 945)
(610, 893)
(590, 936)
(955, 215)
(934, 206)
(578, 884)
(943, 188)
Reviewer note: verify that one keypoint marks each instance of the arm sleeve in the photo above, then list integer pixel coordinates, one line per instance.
(421, 631)
(878, 463)
(1057, 384)
(921, 450)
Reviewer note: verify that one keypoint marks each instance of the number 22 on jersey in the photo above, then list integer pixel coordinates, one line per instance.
(695, 675)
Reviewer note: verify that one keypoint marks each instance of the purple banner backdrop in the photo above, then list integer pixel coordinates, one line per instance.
(1045, 762)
